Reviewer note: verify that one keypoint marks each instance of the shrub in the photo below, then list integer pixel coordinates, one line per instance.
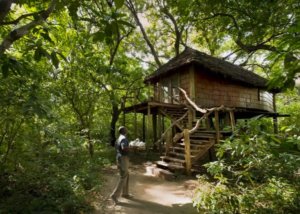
(256, 172)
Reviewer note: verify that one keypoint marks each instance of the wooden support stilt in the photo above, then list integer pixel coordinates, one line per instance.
(188, 163)
(148, 127)
(275, 119)
(154, 126)
(217, 126)
(159, 132)
(135, 125)
(232, 120)
(144, 128)
(168, 141)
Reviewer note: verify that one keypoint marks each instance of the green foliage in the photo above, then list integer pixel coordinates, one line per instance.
(256, 172)
(51, 181)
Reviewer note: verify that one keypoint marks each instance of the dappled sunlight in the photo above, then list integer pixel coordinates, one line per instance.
(153, 194)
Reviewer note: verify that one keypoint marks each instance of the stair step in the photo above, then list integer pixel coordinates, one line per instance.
(182, 155)
(200, 141)
(182, 149)
(199, 134)
(172, 159)
(198, 146)
(170, 166)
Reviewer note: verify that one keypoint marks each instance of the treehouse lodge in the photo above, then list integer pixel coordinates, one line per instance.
(201, 97)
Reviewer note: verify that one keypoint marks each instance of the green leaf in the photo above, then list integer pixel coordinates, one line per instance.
(54, 59)
(99, 36)
(122, 22)
(47, 37)
(119, 3)
(5, 70)
(37, 54)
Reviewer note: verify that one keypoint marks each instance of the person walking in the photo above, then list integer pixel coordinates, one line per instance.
(122, 149)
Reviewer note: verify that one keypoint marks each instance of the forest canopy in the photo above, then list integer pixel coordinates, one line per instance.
(68, 68)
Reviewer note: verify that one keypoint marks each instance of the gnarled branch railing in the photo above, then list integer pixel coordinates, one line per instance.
(205, 111)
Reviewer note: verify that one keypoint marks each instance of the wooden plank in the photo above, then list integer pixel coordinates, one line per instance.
(192, 83)
(172, 159)
(188, 162)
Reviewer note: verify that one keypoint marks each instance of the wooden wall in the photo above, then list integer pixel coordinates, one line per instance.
(209, 90)
(213, 91)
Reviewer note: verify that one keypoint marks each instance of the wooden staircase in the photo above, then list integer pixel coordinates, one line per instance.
(174, 159)
(201, 141)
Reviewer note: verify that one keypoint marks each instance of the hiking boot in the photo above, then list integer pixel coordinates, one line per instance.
(128, 196)
(114, 199)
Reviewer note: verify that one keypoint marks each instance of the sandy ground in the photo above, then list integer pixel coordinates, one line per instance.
(152, 195)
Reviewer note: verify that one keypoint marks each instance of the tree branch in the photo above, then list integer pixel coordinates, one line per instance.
(178, 33)
(5, 8)
(23, 30)
(16, 21)
(246, 47)
(133, 11)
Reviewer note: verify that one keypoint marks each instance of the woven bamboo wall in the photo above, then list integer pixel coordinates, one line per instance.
(213, 91)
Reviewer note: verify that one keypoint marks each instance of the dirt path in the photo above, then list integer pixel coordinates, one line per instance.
(152, 195)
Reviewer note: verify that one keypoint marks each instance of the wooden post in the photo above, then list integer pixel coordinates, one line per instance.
(144, 128)
(148, 127)
(275, 120)
(217, 126)
(232, 120)
(135, 116)
(190, 118)
(154, 126)
(207, 123)
(135, 125)
(159, 131)
(168, 140)
(188, 163)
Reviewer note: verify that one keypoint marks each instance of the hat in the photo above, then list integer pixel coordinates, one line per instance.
(122, 129)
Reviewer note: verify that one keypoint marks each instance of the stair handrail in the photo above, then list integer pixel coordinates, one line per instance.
(163, 135)
(205, 111)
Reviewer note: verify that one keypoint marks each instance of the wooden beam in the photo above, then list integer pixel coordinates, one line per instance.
(217, 126)
(187, 148)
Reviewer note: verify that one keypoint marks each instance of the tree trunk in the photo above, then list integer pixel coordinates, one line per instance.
(115, 116)
(5, 8)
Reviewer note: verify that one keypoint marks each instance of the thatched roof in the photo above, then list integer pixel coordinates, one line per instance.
(212, 64)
